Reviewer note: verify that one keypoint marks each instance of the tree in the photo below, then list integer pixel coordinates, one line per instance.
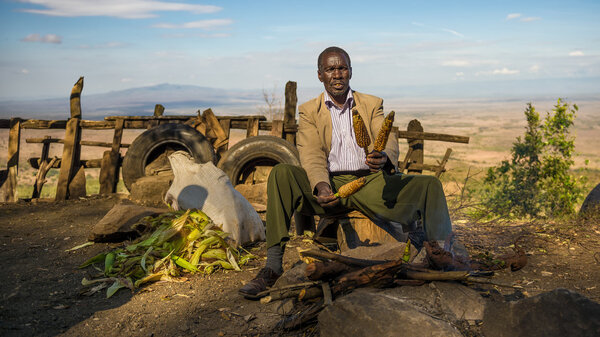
(272, 108)
(536, 181)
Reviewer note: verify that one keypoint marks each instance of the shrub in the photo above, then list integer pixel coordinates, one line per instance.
(536, 181)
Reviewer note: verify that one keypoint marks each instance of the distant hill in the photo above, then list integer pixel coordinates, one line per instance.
(177, 99)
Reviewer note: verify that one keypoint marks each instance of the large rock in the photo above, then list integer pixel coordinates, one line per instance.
(453, 301)
(151, 190)
(591, 204)
(117, 224)
(560, 312)
(366, 312)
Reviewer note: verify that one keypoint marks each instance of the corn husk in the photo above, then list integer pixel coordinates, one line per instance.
(384, 133)
(177, 243)
(360, 131)
(350, 188)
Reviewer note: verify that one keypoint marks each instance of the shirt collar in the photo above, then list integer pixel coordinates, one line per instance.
(349, 100)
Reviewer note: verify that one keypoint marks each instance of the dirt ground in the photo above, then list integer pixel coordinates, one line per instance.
(41, 292)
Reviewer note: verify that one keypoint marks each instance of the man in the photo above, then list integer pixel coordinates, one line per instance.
(330, 158)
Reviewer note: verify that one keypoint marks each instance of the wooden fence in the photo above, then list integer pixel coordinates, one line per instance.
(71, 178)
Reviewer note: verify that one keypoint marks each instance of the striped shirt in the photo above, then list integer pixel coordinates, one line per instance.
(345, 154)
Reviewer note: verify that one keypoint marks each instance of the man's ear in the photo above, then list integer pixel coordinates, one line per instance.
(350, 69)
(319, 75)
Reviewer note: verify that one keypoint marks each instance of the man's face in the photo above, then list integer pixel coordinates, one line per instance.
(335, 73)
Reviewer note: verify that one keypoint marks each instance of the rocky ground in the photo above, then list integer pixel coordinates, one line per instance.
(41, 292)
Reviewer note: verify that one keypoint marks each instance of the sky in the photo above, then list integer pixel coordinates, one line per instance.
(394, 45)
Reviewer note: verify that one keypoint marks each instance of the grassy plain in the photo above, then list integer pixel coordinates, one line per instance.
(491, 125)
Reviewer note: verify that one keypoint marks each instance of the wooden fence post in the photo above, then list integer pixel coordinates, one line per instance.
(8, 191)
(109, 168)
(221, 142)
(416, 148)
(44, 166)
(159, 109)
(252, 127)
(289, 112)
(70, 164)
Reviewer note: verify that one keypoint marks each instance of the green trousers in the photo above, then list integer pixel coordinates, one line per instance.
(398, 198)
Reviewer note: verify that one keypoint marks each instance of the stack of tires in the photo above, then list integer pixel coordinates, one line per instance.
(241, 159)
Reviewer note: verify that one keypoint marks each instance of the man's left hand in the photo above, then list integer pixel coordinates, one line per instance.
(376, 160)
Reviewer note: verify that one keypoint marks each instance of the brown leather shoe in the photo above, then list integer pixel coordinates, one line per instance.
(266, 278)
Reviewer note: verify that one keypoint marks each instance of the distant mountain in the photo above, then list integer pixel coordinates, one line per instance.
(177, 99)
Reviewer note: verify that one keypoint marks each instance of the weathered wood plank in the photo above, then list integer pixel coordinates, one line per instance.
(416, 135)
(75, 99)
(87, 163)
(442, 167)
(109, 167)
(70, 158)
(77, 185)
(40, 177)
(159, 109)
(182, 117)
(226, 126)
(416, 156)
(289, 112)
(109, 172)
(277, 128)
(222, 138)
(252, 128)
(49, 140)
(9, 187)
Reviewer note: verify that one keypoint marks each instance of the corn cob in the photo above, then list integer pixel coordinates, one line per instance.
(384, 133)
(350, 188)
(360, 130)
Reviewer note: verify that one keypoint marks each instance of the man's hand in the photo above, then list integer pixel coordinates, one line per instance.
(376, 160)
(325, 196)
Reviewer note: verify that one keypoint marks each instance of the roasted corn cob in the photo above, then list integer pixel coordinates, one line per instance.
(360, 130)
(384, 133)
(350, 188)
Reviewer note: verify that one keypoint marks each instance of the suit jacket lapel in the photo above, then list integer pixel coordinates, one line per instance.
(324, 120)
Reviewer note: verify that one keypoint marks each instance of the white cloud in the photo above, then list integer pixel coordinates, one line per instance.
(24, 71)
(130, 9)
(456, 63)
(512, 16)
(453, 32)
(460, 74)
(108, 45)
(126, 80)
(530, 18)
(534, 68)
(202, 24)
(576, 53)
(504, 71)
(48, 38)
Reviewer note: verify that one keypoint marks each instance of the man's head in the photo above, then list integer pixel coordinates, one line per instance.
(335, 71)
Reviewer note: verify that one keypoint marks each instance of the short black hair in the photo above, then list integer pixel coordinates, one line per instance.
(332, 49)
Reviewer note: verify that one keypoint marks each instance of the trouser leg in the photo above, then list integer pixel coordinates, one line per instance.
(403, 199)
(288, 190)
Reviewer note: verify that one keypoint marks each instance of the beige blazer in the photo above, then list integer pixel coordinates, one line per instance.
(314, 133)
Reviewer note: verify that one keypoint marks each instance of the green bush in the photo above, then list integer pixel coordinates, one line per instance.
(536, 181)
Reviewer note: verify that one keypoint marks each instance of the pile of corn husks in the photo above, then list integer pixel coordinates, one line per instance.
(175, 242)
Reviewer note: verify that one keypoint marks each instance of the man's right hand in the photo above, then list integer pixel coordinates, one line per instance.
(325, 196)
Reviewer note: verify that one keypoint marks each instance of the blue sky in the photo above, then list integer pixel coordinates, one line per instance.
(47, 44)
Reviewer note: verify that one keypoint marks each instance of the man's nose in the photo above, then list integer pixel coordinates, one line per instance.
(337, 73)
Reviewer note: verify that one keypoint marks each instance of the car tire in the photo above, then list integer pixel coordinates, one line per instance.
(156, 141)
